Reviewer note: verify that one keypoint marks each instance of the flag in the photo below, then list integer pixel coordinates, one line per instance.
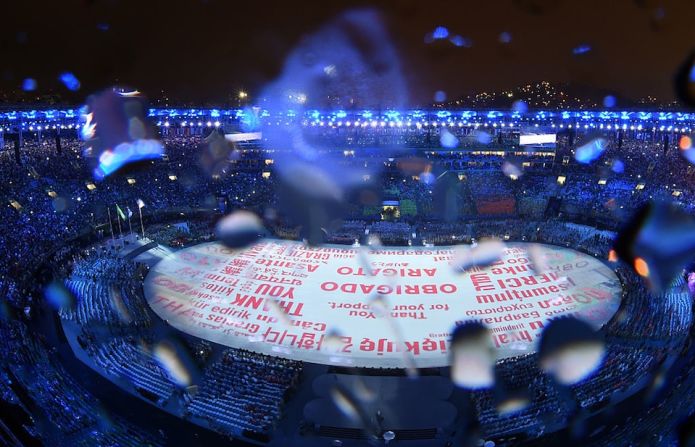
(141, 204)
(120, 212)
(130, 213)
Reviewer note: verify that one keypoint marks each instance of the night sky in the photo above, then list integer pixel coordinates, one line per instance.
(206, 51)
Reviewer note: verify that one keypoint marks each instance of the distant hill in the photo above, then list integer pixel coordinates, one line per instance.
(547, 95)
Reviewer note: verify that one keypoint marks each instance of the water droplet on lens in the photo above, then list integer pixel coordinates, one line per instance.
(570, 350)
(472, 356)
(239, 229)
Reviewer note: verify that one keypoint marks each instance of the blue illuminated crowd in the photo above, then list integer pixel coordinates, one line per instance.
(54, 215)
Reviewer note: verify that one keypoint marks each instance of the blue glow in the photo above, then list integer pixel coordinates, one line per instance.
(505, 37)
(29, 85)
(448, 140)
(461, 41)
(609, 101)
(440, 32)
(581, 49)
(443, 114)
(250, 122)
(591, 151)
(70, 81)
(519, 106)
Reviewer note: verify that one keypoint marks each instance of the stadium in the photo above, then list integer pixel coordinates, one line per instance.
(347, 224)
(216, 292)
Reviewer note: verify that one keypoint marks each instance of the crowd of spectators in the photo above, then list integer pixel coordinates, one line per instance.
(52, 205)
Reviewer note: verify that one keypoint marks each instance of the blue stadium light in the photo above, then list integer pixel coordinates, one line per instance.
(392, 114)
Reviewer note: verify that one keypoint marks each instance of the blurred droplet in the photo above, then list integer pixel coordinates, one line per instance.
(472, 356)
(512, 402)
(538, 258)
(217, 154)
(440, 32)
(333, 341)
(380, 306)
(685, 144)
(511, 170)
(484, 253)
(481, 137)
(581, 49)
(570, 350)
(413, 165)
(684, 81)
(618, 166)
(313, 182)
(117, 132)
(118, 304)
(59, 297)
(173, 359)
(447, 139)
(70, 81)
(658, 242)
(59, 204)
(609, 101)
(591, 151)
(29, 85)
(505, 37)
(345, 403)
(439, 96)
(239, 229)
(278, 312)
(460, 41)
(427, 178)
(519, 106)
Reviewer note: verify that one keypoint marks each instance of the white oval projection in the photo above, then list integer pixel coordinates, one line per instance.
(233, 297)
